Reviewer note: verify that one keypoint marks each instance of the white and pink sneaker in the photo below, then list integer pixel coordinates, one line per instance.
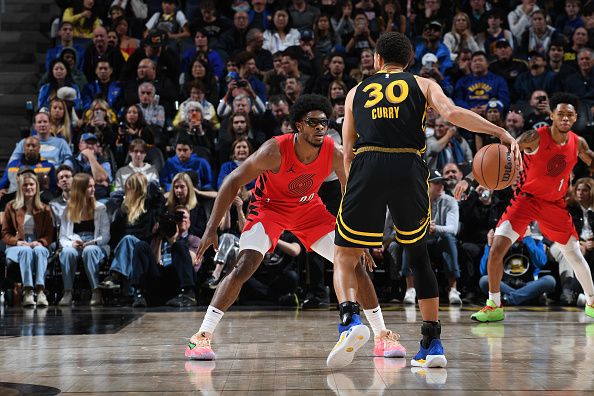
(387, 345)
(199, 347)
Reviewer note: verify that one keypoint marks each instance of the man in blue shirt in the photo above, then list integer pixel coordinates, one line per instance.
(89, 161)
(53, 149)
(185, 160)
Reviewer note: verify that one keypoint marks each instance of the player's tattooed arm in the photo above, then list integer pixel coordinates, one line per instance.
(585, 153)
(529, 141)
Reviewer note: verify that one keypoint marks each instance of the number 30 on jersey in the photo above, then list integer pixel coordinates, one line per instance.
(377, 92)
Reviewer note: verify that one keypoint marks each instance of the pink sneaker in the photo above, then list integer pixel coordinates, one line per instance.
(199, 347)
(387, 345)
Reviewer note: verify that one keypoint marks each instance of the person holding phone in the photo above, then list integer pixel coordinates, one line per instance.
(84, 232)
(540, 116)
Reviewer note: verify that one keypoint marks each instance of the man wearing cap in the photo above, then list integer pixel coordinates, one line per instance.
(88, 161)
(53, 149)
(66, 40)
(103, 87)
(30, 159)
(153, 47)
(432, 43)
(537, 77)
(215, 61)
(506, 65)
(100, 50)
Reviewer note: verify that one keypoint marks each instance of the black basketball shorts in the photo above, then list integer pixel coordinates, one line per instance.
(377, 180)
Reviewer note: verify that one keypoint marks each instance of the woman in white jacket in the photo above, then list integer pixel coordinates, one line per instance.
(84, 232)
(281, 35)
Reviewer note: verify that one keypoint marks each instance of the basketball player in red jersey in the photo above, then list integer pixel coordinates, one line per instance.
(290, 170)
(550, 153)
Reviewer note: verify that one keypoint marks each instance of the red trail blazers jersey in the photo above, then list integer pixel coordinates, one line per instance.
(295, 183)
(547, 171)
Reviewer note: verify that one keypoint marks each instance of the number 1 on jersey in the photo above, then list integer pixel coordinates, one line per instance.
(561, 184)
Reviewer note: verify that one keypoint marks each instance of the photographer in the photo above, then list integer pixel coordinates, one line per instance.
(164, 268)
(238, 89)
(248, 72)
(539, 117)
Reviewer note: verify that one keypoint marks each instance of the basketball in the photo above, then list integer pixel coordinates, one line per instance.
(494, 167)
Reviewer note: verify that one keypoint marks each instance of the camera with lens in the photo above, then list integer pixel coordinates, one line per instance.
(541, 98)
(168, 223)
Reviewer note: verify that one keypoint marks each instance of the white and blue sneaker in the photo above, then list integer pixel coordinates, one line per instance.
(352, 337)
(433, 356)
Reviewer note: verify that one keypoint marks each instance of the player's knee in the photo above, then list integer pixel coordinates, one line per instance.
(346, 257)
(498, 250)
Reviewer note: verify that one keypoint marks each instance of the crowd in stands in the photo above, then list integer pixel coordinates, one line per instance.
(145, 106)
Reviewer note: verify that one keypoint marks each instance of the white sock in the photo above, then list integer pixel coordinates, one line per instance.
(211, 319)
(571, 252)
(495, 297)
(376, 320)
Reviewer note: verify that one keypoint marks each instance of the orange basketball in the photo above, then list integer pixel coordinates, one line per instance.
(494, 167)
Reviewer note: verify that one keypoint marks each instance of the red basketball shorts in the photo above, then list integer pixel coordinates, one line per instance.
(553, 218)
(308, 222)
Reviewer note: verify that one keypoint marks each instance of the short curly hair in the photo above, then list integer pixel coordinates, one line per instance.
(394, 48)
(306, 103)
(564, 97)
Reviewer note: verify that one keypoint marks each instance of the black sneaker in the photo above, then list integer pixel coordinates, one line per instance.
(109, 283)
(314, 303)
(182, 300)
(288, 300)
(567, 297)
(139, 301)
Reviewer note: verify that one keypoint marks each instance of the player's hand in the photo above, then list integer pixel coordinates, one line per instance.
(368, 261)
(510, 142)
(460, 189)
(209, 239)
(490, 237)
(589, 244)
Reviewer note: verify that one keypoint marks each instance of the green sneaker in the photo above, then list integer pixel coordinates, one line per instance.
(492, 313)
(589, 310)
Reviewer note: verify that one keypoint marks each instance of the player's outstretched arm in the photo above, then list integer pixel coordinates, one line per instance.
(463, 117)
(268, 157)
(585, 154)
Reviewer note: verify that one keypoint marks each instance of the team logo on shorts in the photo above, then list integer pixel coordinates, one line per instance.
(301, 185)
(556, 165)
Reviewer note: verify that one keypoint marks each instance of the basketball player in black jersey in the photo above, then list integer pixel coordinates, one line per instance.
(384, 139)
